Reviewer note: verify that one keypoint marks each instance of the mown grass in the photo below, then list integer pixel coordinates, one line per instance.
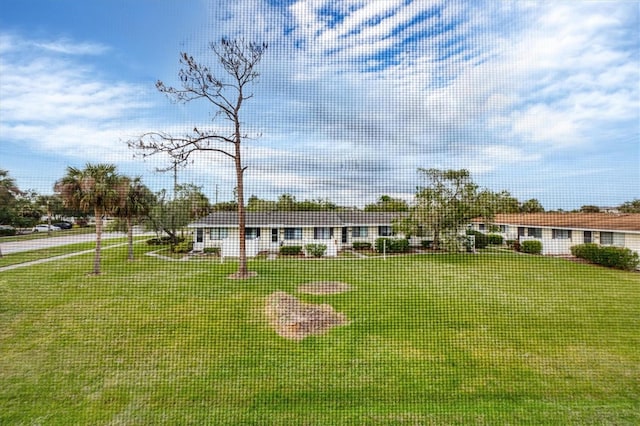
(433, 339)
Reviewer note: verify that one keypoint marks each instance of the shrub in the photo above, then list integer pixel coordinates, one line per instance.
(587, 251)
(392, 245)
(612, 257)
(290, 250)
(7, 232)
(212, 250)
(531, 246)
(163, 241)
(183, 247)
(481, 239)
(426, 244)
(315, 250)
(361, 245)
(513, 244)
(495, 239)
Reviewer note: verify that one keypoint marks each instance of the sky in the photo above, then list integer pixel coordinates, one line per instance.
(539, 98)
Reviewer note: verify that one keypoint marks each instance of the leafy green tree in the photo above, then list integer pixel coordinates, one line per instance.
(98, 188)
(630, 206)
(445, 204)
(589, 209)
(8, 193)
(255, 204)
(137, 204)
(286, 203)
(531, 206)
(387, 204)
(169, 216)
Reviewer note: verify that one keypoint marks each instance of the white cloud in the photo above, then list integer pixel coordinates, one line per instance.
(354, 95)
(55, 103)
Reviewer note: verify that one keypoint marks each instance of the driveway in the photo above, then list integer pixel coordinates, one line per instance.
(48, 242)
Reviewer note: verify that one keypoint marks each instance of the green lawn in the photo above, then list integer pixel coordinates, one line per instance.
(495, 338)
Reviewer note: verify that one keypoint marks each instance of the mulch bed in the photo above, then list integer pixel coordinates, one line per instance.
(295, 320)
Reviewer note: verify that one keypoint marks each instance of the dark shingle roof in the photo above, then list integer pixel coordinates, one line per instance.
(297, 219)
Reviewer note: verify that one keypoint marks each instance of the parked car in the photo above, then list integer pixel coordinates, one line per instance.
(45, 228)
(63, 225)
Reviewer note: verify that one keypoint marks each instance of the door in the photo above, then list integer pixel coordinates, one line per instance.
(274, 239)
(199, 243)
(587, 237)
(345, 235)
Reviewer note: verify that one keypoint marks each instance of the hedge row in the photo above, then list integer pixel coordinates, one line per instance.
(531, 246)
(183, 247)
(162, 241)
(392, 245)
(481, 239)
(612, 257)
(315, 250)
(361, 245)
(212, 250)
(7, 232)
(291, 250)
(495, 239)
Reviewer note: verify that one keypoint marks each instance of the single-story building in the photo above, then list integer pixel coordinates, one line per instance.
(559, 231)
(268, 231)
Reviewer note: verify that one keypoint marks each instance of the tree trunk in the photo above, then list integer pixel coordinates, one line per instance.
(130, 237)
(436, 238)
(243, 272)
(96, 259)
(48, 220)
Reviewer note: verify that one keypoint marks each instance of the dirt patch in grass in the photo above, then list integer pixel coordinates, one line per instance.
(324, 287)
(295, 320)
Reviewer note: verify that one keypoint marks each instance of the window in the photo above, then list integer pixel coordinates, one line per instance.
(534, 232)
(292, 233)
(561, 234)
(218, 233)
(322, 233)
(385, 231)
(359, 232)
(504, 229)
(481, 226)
(252, 233)
(612, 239)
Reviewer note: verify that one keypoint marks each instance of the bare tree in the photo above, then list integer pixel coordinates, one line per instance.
(239, 60)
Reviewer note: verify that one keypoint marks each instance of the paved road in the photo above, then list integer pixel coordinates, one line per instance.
(42, 243)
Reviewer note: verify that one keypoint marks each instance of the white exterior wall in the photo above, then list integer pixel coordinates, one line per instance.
(372, 236)
(308, 238)
(557, 246)
(230, 246)
(632, 242)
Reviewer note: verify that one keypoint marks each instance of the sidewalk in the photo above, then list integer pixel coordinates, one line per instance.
(54, 258)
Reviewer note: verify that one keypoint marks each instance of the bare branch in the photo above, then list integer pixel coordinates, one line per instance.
(239, 60)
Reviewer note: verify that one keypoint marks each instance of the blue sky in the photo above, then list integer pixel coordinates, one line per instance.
(539, 98)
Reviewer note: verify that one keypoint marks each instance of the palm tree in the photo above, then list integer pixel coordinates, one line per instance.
(138, 201)
(99, 188)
